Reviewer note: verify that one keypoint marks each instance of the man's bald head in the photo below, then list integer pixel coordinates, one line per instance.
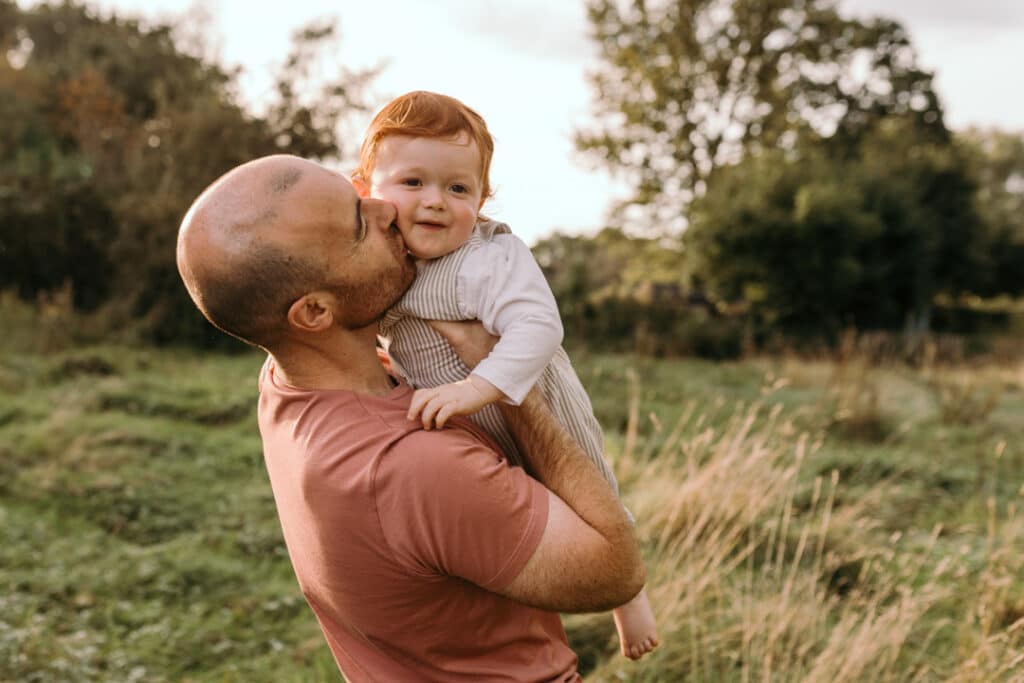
(240, 275)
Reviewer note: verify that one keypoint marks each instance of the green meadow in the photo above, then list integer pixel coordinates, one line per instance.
(803, 519)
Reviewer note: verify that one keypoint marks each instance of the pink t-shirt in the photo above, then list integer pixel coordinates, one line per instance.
(398, 536)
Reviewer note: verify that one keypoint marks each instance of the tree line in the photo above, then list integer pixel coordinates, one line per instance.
(799, 163)
(108, 131)
(790, 168)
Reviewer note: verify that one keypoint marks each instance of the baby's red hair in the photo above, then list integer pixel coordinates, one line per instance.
(422, 114)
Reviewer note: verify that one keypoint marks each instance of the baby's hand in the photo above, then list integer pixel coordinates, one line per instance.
(434, 406)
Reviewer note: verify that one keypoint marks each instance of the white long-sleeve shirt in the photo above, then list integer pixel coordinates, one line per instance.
(501, 285)
(493, 278)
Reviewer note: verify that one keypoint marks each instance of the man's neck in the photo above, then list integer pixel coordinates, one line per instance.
(342, 359)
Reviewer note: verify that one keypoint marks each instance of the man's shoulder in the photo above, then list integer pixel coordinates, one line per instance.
(323, 413)
(453, 461)
(457, 445)
(449, 472)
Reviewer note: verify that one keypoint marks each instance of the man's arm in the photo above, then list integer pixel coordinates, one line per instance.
(588, 558)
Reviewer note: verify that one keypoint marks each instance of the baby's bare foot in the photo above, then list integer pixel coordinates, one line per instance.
(638, 634)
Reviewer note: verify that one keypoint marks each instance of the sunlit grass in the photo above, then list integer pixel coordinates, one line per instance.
(801, 521)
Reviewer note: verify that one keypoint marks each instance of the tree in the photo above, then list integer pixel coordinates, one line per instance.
(108, 130)
(996, 159)
(816, 244)
(687, 86)
(610, 285)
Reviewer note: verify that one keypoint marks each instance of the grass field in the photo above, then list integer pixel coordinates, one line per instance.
(802, 521)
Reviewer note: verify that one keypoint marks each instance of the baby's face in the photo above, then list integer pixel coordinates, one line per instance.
(435, 185)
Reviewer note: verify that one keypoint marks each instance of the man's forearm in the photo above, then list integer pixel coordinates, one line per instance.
(558, 462)
(588, 558)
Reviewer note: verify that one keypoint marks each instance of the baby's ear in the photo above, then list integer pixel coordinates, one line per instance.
(362, 189)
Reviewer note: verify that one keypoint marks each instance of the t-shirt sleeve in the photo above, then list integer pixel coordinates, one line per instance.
(501, 285)
(450, 505)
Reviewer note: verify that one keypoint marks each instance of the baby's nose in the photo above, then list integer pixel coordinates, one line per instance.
(433, 197)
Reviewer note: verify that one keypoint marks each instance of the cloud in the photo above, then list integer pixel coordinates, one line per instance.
(558, 30)
(532, 27)
(948, 15)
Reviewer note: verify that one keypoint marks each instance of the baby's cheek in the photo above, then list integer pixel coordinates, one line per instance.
(397, 199)
(382, 192)
(406, 231)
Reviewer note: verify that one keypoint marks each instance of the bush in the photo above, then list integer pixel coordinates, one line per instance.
(711, 338)
(964, 399)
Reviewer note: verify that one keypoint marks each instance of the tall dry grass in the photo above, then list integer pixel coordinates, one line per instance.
(991, 634)
(758, 572)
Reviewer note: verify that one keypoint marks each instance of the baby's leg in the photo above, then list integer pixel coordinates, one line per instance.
(638, 634)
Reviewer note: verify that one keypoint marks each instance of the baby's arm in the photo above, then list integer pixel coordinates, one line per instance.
(501, 285)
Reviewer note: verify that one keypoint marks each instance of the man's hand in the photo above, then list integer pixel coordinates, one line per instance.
(434, 406)
(470, 341)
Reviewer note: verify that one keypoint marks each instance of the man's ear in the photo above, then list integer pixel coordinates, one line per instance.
(362, 189)
(311, 313)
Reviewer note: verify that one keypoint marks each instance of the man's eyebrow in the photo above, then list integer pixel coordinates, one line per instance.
(360, 224)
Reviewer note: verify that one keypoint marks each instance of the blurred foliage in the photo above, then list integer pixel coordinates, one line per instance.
(108, 131)
(814, 245)
(625, 293)
(804, 152)
(996, 161)
(801, 160)
(686, 86)
(585, 272)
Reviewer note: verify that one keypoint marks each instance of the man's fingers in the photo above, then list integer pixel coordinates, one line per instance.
(470, 341)
(454, 331)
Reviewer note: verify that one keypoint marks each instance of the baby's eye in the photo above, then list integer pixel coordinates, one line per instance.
(460, 189)
(412, 182)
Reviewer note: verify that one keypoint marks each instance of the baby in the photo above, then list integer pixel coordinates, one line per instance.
(430, 156)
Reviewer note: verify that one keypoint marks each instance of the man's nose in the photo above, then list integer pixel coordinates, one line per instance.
(379, 211)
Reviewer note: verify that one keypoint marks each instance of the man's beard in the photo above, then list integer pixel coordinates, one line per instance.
(366, 303)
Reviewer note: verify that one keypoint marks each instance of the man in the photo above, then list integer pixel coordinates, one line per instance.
(422, 554)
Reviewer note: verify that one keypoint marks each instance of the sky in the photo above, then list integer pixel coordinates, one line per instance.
(522, 64)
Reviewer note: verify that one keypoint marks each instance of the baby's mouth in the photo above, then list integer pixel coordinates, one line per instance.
(430, 224)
